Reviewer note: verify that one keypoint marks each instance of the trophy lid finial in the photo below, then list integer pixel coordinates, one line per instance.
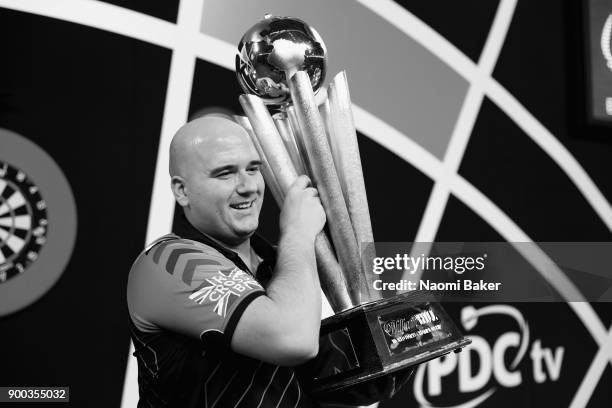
(272, 50)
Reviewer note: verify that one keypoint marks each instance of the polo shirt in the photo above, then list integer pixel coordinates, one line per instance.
(186, 294)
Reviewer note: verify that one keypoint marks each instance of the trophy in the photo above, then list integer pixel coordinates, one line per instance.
(281, 65)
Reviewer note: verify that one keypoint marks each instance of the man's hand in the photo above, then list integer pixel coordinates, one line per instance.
(283, 326)
(302, 212)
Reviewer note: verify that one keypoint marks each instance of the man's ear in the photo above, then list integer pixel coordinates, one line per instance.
(179, 189)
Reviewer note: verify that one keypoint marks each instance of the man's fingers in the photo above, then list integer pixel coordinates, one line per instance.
(313, 191)
(300, 183)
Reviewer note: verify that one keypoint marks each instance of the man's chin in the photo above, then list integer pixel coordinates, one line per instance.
(246, 231)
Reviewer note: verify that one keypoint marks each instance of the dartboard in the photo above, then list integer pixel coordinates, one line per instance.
(23, 221)
(37, 222)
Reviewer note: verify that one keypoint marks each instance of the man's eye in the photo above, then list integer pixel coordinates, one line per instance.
(254, 169)
(223, 174)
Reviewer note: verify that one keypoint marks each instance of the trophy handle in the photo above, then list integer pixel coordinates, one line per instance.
(327, 182)
(273, 153)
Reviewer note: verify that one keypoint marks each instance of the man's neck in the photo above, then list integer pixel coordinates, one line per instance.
(243, 249)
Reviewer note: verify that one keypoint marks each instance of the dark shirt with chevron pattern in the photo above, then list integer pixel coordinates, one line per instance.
(185, 296)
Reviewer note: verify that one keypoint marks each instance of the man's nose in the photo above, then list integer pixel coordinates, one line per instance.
(247, 183)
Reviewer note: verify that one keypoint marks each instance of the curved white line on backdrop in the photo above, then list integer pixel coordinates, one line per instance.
(176, 110)
(604, 41)
(413, 153)
(427, 163)
(413, 27)
(497, 35)
(463, 129)
(404, 147)
(104, 16)
(119, 20)
(449, 54)
(593, 377)
(156, 31)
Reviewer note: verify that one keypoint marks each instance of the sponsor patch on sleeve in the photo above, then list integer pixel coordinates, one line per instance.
(224, 288)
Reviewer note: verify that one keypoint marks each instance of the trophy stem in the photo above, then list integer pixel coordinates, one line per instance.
(332, 279)
(280, 164)
(270, 141)
(269, 177)
(299, 138)
(345, 150)
(328, 184)
(285, 132)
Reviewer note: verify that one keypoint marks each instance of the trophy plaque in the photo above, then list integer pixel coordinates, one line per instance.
(281, 65)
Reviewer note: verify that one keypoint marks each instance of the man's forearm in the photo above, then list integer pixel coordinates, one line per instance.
(295, 287)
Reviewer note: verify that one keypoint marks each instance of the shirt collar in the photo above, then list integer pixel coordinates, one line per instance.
(184, 229)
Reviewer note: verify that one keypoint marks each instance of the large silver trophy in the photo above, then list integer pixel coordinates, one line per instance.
(281, 65)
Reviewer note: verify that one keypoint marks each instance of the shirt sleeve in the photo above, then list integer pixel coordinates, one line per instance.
(189, 288)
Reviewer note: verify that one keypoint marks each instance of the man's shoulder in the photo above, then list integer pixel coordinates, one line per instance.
(171, 251)
(169, 241)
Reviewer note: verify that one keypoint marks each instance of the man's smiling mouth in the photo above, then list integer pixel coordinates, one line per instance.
(242, 205)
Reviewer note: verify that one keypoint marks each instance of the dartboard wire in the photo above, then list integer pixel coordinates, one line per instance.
(438, 199)
(4, 234)
(4, 188)
(4, 208)
(16, 207)
(7, 251)
(9, 226)
(22, 233)
(16, 200)
(9, 199)
(18, 222)
(15, 243)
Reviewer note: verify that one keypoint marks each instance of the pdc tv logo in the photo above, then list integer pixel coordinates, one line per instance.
(487, 364)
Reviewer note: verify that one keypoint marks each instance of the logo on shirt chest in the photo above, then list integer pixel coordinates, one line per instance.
(222, 287)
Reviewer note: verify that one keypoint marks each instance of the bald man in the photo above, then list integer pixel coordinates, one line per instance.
(217, 316)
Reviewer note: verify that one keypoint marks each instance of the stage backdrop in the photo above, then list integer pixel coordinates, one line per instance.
(471, 119)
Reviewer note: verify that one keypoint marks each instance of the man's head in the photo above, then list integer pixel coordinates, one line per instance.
(216, 178)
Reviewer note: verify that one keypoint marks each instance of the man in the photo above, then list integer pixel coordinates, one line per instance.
(206, 332)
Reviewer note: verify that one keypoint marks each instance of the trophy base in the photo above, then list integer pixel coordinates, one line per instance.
(382, 337)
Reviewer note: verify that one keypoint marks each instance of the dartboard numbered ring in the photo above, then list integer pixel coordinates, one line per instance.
(37, 222)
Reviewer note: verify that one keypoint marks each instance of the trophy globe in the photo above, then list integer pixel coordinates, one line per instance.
(271, 51)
